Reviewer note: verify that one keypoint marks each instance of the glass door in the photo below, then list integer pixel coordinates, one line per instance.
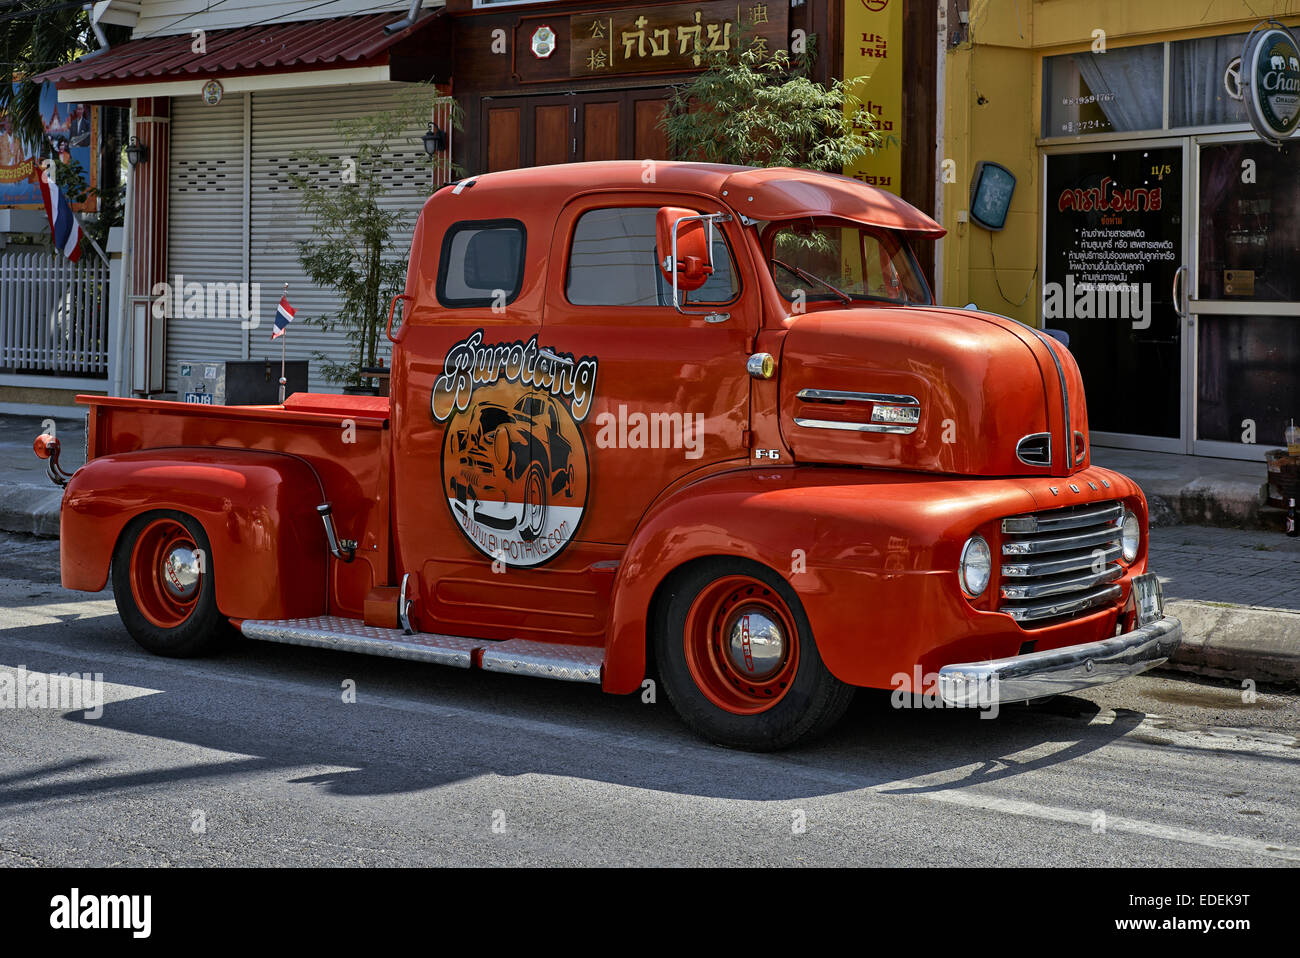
(1244, 310)
(1114, 262)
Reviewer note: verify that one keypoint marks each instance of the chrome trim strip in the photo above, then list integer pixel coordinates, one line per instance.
(1052, 610)
(1065, 396)
(1020, 678)
(1061, 543)
(836, 395)
(1035, 567)
(1046, 522)
(855, 426)
(1035, 590)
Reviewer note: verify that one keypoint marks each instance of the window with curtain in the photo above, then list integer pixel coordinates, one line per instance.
(1198, 95)
(1121, 90)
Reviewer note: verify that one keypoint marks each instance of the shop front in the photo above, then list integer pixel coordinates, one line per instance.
(1170, 246)
(562, 82)
(1149, 216)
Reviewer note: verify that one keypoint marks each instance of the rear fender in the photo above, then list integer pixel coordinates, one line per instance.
(269, 551)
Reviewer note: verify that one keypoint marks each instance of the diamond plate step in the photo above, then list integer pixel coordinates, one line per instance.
(568, 663)
(353, 635)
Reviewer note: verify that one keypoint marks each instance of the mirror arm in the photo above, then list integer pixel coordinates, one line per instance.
(711, 316)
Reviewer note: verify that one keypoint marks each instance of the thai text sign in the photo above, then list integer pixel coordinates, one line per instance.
(669, 39)
(873, 50)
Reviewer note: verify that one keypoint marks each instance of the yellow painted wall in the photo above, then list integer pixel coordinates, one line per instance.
(1001, 64)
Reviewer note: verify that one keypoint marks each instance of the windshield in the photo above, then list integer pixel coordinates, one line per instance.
(819, 260)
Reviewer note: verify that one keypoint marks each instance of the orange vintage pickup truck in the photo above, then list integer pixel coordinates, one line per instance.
(708, 430)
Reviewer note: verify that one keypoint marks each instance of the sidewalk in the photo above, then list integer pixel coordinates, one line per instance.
(29, 502)
(1194, 489)
(1237, 591)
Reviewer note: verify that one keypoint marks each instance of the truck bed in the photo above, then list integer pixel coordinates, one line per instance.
(345, 439)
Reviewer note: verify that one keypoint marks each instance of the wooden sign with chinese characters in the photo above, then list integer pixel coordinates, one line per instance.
(873, 50)
(671, 39)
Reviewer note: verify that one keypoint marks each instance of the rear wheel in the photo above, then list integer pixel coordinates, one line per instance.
(162, 583)
(738, 661)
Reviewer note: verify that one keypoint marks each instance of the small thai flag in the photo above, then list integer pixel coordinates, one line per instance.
(63, 224)
(283, 317)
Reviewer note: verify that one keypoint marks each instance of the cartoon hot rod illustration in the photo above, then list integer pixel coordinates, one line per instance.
(507, 463)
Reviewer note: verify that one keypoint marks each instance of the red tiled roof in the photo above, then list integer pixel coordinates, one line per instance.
(268, 48)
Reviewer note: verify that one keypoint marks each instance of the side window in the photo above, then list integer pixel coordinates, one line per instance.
(613, 262)
(482, 263)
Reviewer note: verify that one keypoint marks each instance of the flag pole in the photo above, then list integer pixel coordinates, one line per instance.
(284, 335)
(91, 240)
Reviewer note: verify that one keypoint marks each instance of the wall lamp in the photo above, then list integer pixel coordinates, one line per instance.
(435, 140)
(136, 152)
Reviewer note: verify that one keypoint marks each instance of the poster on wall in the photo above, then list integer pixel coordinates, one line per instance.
(1112, 245)
(69, 131)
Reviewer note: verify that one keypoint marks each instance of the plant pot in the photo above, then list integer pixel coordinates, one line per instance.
(360, 391)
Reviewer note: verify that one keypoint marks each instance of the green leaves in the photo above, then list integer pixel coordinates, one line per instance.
(757, 110)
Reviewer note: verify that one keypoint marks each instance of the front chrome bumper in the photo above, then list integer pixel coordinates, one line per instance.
(1020, 678)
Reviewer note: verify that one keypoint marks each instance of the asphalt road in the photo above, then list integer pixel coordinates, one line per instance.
(254, 758)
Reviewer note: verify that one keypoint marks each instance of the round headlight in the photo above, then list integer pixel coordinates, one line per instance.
(1130, 536)
(976, 566)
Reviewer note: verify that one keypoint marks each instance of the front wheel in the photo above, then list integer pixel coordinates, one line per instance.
(163, 586)
(738, 661)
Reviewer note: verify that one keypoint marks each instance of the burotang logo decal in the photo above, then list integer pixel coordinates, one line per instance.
(514, 461)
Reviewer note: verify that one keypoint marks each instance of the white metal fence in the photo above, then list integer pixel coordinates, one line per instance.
(53, 314)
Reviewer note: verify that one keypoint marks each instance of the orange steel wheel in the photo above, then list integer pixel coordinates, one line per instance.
(741, 645)
(166, 574)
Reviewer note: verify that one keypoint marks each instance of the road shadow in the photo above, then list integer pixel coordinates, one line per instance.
(416, 727)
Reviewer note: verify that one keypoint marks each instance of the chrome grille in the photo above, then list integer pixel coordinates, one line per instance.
(1060, 563)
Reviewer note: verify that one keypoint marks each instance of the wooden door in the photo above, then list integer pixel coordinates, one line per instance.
(543, 130)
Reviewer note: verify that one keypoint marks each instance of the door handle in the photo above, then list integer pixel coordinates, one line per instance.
(1180, 310)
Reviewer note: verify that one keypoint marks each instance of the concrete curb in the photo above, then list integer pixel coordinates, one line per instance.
(30, 509)
(1237, 641)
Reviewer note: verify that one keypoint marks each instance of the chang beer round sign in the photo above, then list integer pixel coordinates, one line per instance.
(1270, 65)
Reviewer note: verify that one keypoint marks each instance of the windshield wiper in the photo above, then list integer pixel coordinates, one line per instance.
(809, 277)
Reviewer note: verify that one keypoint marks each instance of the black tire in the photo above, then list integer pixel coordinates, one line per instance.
(203, 629)
(812, 704)
(534, 473)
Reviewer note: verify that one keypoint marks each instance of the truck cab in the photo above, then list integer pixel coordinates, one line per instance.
(690, 423)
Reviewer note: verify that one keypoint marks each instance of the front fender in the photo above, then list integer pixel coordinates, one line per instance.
(872, 555)
(257, 508)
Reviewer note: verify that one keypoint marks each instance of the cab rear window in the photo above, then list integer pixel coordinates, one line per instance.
(482, 263)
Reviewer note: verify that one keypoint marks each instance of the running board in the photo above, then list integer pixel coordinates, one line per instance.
(570, 663)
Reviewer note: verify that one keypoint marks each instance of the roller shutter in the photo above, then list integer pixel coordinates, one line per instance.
(205, 222)
(286, 121)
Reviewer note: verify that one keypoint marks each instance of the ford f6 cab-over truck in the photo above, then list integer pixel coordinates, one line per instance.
(709, 427)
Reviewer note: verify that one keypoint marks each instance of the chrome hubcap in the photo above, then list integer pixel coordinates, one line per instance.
(180, 572)
(755, 642)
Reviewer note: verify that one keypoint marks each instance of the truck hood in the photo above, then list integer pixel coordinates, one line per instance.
(931, 389)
